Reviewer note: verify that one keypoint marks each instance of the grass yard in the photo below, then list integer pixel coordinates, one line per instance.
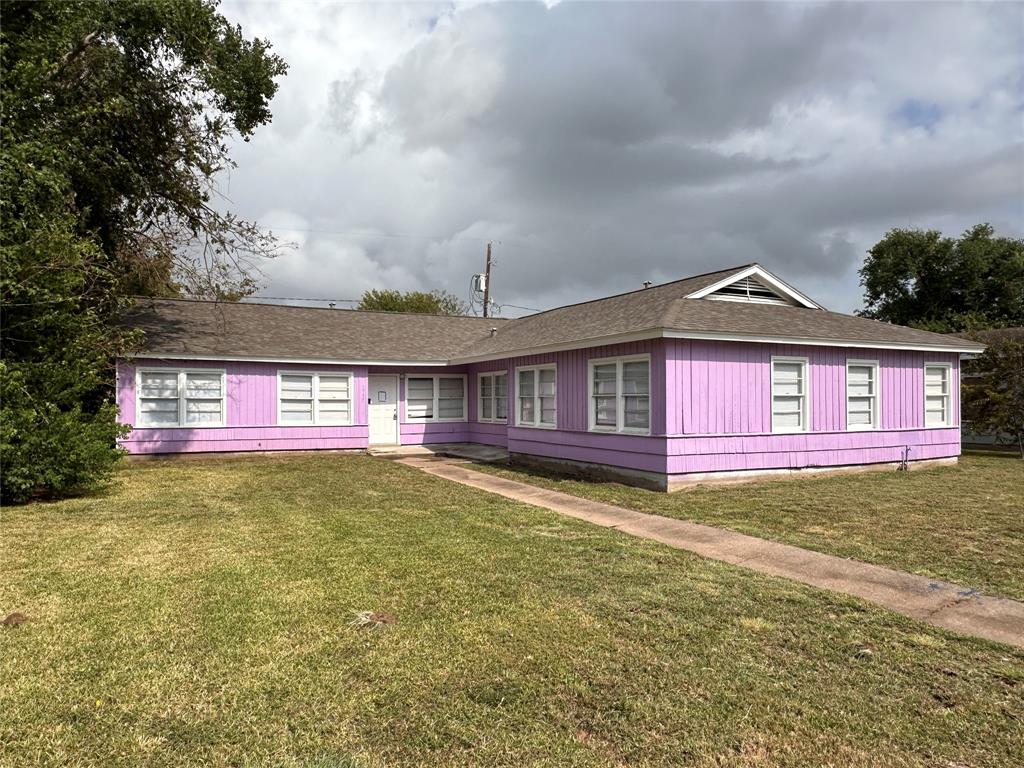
(199, 613)
(963, 524)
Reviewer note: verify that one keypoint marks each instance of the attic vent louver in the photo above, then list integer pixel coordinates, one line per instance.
(748, 289)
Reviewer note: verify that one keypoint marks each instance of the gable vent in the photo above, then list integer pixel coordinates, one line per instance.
(748, 289)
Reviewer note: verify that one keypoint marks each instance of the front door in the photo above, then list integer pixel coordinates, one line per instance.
(383, 410)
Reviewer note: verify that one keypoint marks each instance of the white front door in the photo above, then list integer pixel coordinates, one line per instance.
(383, 410)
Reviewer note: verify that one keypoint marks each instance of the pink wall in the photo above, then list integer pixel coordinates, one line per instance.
(717, 388)
(710, 411)
(251, 413)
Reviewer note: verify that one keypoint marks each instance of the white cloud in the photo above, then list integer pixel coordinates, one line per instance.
(604, 144)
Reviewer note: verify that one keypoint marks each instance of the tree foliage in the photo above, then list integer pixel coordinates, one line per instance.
(993, 392)
(115, 121)
(432, 303)
(922, 279)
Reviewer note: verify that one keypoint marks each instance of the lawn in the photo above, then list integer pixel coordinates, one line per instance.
(199, 613)
(963, 524)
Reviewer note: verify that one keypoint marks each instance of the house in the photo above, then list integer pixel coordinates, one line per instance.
(723, 375)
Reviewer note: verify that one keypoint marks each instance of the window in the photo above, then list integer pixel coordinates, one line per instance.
(313, 398)
(435, 398)
(535, 392)
(172, 397)
(789, 394)
(862, 394)
(493, 404)
(620, 395)
(937, 411)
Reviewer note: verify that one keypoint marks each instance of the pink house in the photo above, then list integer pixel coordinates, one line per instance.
(721, 375)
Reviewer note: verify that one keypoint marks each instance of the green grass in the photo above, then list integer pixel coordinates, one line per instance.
(199, 613)
(963, 524)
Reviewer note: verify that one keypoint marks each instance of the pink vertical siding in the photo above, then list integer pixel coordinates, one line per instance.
(710, 410)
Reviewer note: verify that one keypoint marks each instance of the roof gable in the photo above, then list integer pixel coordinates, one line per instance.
(757, 285)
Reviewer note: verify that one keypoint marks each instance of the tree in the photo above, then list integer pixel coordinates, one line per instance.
(993, 392)
(920, 278)
(115, 121)
(433, 303)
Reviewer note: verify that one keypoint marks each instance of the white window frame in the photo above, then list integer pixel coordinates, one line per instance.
(494, 399)
(948, 395)
(876, 396)
(537, 424)
(805, 405)
(182, 399)
(317, 420)
(435, 411)
(620, 396)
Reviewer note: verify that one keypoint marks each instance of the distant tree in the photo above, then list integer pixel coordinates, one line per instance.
(115, 120)
(922, 279)
(419, 302)
(993, 397)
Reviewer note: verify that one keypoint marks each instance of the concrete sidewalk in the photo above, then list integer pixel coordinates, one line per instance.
(945, 605)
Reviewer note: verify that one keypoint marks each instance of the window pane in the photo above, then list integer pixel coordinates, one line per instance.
(202, 385)
(546, 385)
(486, 386)
(526, 410)
(449, 408)
(501, 385)
(635, 378)
(637, 412)
(158, 412)
(859, 412)
(604, 379)
(296, 386)
(501, 407)
(334, 411)
(787, 420)
(487, 408)
(420, 389)
(297, 411)
(604, 411)
(787, 378)
(202, 411)
(547, 410)
(450, 387)
(158, 384)
(334, 387)
(419, 409)
(526, 383)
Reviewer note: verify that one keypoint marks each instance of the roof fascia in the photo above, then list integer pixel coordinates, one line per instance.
(289, 360)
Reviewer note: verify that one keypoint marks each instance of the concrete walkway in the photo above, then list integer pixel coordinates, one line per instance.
(945, 605)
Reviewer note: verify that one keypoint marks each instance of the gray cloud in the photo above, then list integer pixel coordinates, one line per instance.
(604, 144)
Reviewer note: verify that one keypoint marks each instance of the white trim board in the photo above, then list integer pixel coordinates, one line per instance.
(283, 360)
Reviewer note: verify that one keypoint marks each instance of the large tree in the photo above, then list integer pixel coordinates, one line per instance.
(116, 119)
(920, 278)
(432, 303)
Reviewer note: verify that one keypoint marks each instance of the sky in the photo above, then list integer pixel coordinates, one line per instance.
(598, 145)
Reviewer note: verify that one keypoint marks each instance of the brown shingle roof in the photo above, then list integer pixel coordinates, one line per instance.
(271, 331)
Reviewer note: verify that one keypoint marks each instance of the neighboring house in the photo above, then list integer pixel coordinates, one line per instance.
(726, 374)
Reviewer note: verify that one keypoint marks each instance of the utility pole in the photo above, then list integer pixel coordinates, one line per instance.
(487, 283)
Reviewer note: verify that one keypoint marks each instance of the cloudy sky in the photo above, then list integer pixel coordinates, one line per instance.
(600, 145)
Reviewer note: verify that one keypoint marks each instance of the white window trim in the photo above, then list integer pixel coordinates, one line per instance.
(494, 399)
(805, 412)
(435, 418)
(949, 396)
(317, 421)
(536, 396)
(182, 372)
(876, 399)
(620, 397)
